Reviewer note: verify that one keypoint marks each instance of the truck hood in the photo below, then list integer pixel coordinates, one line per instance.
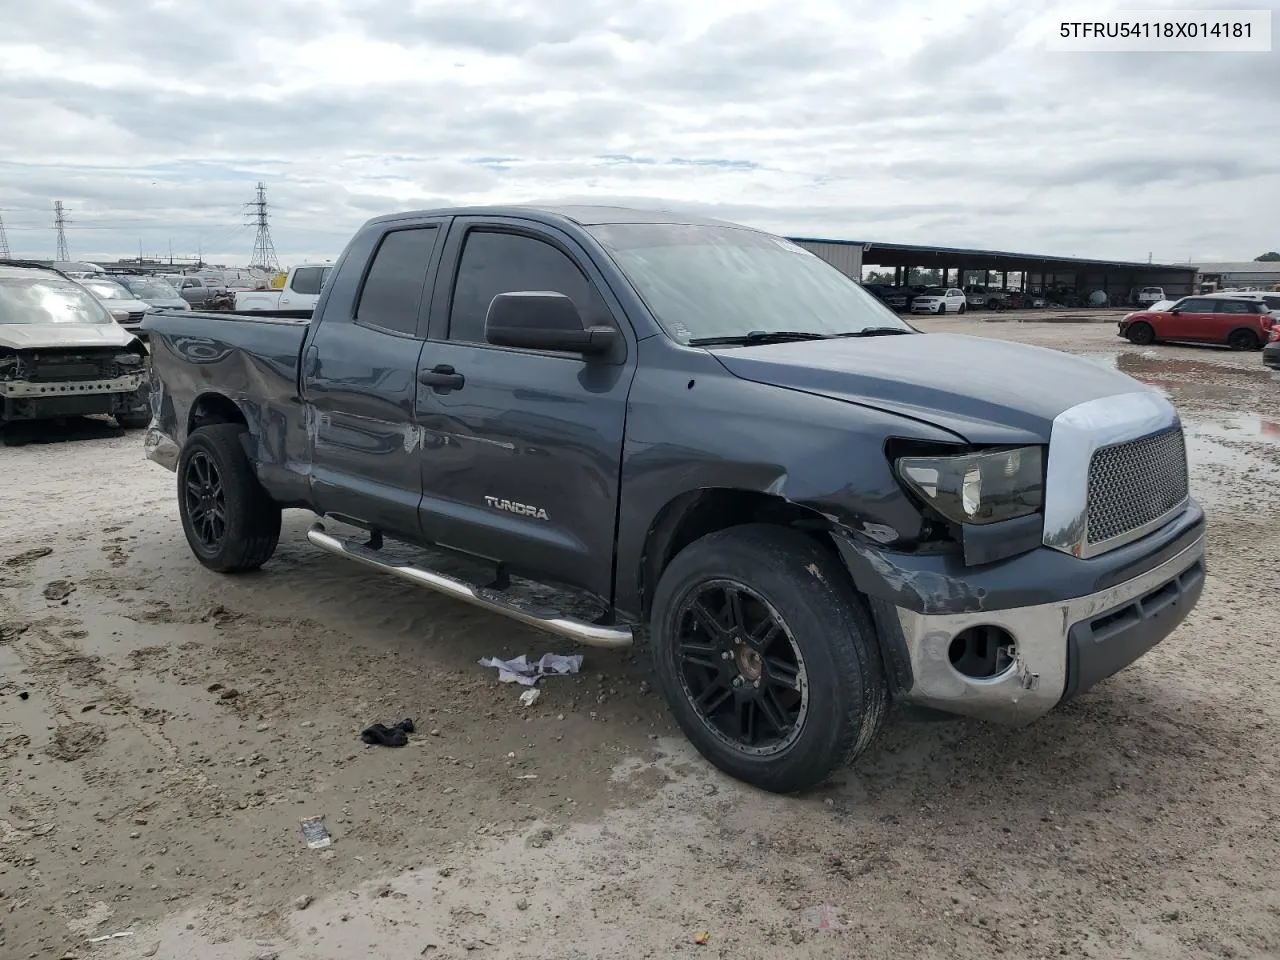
(34, 336)
(984, 391)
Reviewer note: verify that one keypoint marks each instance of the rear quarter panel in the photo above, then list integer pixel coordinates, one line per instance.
(202, 360)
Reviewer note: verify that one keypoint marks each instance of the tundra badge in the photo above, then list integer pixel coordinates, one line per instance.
(521, 508)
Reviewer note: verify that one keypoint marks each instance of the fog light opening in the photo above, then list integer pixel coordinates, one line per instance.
(982, 652)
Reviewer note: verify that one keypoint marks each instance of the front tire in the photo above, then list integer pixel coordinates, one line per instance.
(1141, 334)
(231, 523)
(767, 656)
(962, 309)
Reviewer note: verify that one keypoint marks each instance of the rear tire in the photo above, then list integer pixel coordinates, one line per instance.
(1243, 340)
(231, 523)
(1141, 333)
(781, 686)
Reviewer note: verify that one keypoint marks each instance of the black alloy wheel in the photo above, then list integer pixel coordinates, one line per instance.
(1243, 340)
(740, 668)
(231, 523)
(206, 502)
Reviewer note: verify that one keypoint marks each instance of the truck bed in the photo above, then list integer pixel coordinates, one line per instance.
(202, 361)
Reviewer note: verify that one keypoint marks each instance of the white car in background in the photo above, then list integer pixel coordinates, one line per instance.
(939, 300)
(1268, 299)
(301, 291)
(126, 309)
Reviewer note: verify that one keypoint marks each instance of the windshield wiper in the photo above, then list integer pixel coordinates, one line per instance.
(874, 332)
(759, 336)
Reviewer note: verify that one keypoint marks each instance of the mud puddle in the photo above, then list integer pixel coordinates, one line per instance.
(1231, 455)
(1188, 378)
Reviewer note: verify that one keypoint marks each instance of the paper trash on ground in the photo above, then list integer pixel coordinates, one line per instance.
(520, 670)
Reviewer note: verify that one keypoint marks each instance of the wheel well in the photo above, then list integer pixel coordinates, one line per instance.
(694, 515)
(214, 408)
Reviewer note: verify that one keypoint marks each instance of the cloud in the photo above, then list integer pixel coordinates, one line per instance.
(924, 121)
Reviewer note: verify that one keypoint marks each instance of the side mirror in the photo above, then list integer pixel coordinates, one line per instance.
(543, 320)
(1176, 310)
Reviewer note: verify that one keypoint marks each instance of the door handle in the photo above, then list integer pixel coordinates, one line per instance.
(441, 377)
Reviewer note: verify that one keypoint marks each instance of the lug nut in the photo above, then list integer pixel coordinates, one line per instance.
(737, 681)
(726, 655)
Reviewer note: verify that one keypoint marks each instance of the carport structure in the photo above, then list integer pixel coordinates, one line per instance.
(1032, 273)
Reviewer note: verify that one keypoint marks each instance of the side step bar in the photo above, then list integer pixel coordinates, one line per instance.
(552, 621)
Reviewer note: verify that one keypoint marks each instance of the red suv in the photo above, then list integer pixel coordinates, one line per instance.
(1240, 324)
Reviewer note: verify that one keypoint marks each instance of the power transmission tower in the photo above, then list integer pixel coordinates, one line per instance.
(4, 242)
(60, 222)
(264, 251)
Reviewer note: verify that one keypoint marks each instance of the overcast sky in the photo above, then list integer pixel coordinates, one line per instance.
(919, 121)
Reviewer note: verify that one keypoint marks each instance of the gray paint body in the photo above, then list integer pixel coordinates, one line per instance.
(615, 451)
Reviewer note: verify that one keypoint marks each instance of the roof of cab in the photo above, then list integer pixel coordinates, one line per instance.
(582, 215)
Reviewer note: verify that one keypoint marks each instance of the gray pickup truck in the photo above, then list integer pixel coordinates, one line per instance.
(805, 506)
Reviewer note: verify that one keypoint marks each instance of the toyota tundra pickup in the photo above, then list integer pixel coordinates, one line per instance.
(807, 508)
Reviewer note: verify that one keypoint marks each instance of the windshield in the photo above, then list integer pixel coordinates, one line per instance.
(706, 282)
(107, 290)
(149, 288)
(38, 300)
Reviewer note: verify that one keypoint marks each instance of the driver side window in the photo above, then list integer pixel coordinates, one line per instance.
(493, 262)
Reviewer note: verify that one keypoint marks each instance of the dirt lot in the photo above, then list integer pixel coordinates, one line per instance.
(163, 730)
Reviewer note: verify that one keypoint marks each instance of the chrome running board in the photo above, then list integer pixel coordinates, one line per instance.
(552, 621)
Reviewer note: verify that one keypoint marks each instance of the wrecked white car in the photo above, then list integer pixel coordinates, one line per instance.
(62, 354)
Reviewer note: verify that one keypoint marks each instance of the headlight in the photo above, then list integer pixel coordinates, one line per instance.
(128, 360)
(119, 314)
(979, 487)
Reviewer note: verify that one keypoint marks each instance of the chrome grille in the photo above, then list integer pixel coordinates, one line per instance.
(136, 317)
(1136, 483)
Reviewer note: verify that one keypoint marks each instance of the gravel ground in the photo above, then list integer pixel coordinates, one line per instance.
(163, 730)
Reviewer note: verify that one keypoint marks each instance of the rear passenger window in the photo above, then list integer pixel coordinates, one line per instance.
(392, 294)
(494, 263)
(1234, 306)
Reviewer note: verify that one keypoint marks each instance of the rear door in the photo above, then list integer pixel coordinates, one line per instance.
(360, 379)
(521, 452)
(1232, 315)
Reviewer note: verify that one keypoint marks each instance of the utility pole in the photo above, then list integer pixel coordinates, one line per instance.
(4, 242)
(264, 251)
(60, 222)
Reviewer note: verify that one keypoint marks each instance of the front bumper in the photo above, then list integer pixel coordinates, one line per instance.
(1070, 621)
(1061, 649)
(46, 400)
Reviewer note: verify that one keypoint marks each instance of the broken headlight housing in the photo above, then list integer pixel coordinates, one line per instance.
(978, 488)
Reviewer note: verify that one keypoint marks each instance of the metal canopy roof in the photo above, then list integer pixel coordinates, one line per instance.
(911, 255)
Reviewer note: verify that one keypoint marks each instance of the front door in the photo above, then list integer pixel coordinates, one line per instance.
(521, 448)
(1188, 322)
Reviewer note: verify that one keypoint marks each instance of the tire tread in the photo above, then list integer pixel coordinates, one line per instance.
(821, 585)
(261, 515)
